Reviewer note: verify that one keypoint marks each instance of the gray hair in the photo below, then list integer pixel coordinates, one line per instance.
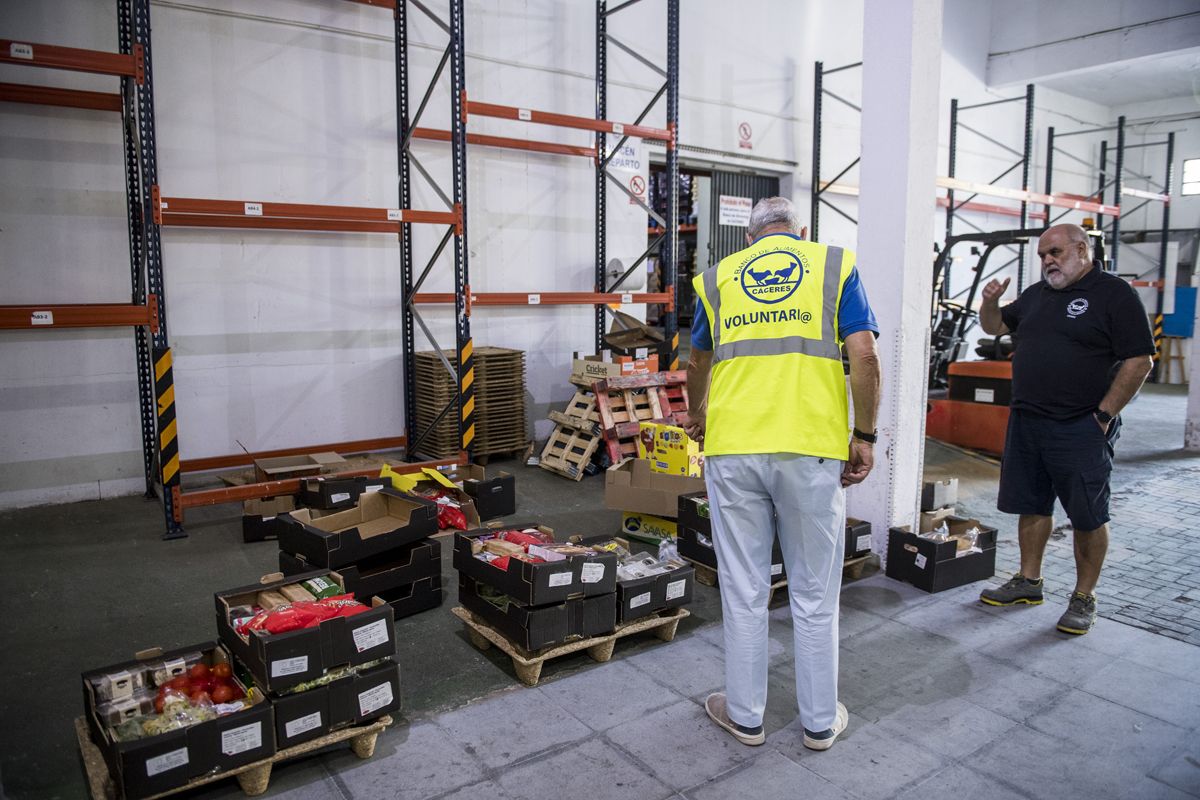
(772, 212)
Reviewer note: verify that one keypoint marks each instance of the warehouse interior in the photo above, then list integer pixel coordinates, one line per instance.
(236, 234)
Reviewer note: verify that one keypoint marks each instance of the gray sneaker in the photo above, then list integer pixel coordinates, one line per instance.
(1080, 615)
(1018, 589)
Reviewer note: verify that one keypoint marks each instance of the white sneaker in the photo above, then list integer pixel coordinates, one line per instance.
(715, 706)
(825, 739)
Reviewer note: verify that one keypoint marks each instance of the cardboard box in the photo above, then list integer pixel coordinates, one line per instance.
(697, 546)
(413, 598)
(537, 584)
(858, 537)
(628, 333)
(932, 519)
(936, 566)
(535, 627)
(280, 661)
(669, 450)
(414, 483)
(351, 700)
(381, 573)
(637, 366)
(647, 527)
(261, 518)
(146, 767)
(631, 485)
(381, 522)
(274, 469)
(938, 494)
(642, 597)
(332, 494)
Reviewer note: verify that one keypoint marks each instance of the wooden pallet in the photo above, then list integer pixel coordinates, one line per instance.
(528, 664)
(626, 402)
(852, 569)
(569, 450)
(253, 778)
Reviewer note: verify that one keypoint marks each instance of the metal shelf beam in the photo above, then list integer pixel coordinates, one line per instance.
(568, 121)
(72, 58)
(548, 298)
(79, 315)
(66, 98)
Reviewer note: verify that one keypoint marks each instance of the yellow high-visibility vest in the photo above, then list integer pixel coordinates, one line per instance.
(777, 384)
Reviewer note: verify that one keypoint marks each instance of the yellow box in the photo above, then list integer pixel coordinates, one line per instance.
(669, 450)
(647, 527)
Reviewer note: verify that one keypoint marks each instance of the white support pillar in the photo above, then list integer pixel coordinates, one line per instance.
(902, 47)
(1191, 427)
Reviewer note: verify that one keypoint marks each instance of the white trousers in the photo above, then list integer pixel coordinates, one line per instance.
(751, 498)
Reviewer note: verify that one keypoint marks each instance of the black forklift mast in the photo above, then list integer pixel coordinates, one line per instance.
(949, 320)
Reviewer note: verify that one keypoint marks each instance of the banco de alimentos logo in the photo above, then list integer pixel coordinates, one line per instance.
(773, 277)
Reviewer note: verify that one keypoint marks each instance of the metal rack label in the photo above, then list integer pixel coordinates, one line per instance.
(16, 50)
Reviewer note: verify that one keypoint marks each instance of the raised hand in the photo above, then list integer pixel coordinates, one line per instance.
(995, 290)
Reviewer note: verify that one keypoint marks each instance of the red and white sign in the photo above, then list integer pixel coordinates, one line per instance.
(745, 133)
(637, 185)
(735, 211)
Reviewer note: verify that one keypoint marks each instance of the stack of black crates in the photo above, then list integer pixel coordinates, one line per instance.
(375, 538)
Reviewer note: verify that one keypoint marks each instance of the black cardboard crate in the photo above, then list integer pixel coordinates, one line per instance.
(381, 521)
(280, 661)
(692, 546)
(938, 494)
(381, 573)
(538, 584)
(858, 537)
(689, 514)
(933, 566)
(338, 493)
(351, 700)
(536, 627)
(145, 767)
(262, 519)
(642, 597)
(494, 497)
(415, 597)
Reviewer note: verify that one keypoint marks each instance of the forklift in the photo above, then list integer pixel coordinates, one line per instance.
(968, 400)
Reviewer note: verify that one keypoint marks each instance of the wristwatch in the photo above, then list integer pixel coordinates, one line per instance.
(869, 438)
(1102, 416)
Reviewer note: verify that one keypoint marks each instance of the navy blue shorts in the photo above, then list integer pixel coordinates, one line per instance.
(1047, 458)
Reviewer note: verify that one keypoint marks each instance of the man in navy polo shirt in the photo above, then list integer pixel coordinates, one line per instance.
(1083, 349)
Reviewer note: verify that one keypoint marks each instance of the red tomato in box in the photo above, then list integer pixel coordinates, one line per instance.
(222, 694)
(180, 682)
(222, 671)
(202, 684)
(198, 671)
(199, 698)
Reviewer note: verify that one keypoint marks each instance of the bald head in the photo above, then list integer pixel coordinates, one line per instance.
(1066, 255)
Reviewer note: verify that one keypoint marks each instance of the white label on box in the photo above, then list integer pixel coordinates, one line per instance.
(561, 579)
(640, 600)
(593, 573)
(373, 489)
(395, 215)
(16, 50)
(41, 318)
(253, 209)
(618, 128)
(339, 497)
(171, 760)
(626, 298)
(920, 561)
(524, 114)
(864, 542)
(374, 699)
(302, 724)
(289, 666)
(985, 395)
(239, 740)
(372, 635)
(776, 569)
(535, 299)
(678, 588)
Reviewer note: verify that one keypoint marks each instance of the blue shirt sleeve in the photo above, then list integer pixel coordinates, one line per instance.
(701, 332)
(854, 313)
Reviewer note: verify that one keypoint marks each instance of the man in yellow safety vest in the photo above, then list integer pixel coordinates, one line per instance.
(768, 399)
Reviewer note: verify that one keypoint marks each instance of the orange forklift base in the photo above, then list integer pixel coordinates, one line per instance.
(978, 426)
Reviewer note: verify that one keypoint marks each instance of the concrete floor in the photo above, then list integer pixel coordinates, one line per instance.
(947, 697)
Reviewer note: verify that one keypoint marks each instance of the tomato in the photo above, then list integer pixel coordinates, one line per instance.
(202, 684)
(222, 670)
(222, 694)
(198, 671)
(238, 694)
(158, 703)
(180, 682)
(199, 698)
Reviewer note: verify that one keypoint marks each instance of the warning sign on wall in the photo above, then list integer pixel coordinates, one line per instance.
(637, 186)
(733, 210)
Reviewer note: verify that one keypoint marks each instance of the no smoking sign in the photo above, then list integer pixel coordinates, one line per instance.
(745, 133)
(637, 185)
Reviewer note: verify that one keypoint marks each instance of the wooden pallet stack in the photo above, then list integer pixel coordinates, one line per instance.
(624, 403)
(576, 437)
(499, 402)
